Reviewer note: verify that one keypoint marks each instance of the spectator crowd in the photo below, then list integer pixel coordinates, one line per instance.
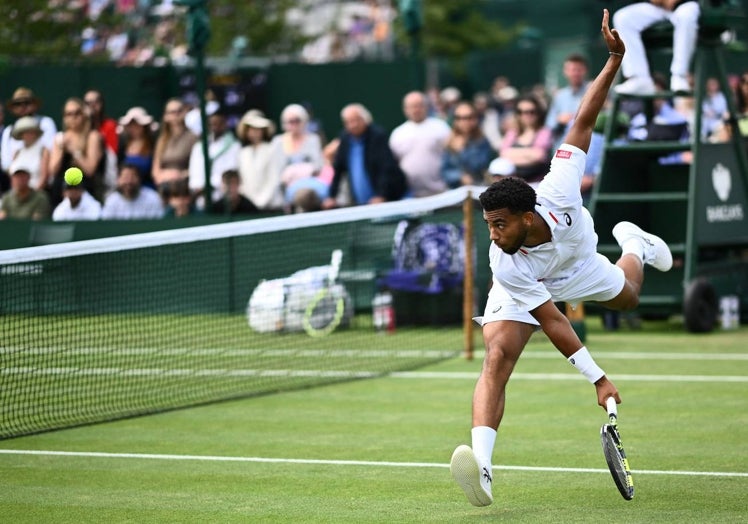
(142, 166)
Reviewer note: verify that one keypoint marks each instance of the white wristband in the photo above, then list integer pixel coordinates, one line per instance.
(582, 360)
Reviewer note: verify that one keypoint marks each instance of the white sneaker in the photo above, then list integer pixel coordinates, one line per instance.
(656, 252)
(636, 85)
(474, 480)
(679, 84)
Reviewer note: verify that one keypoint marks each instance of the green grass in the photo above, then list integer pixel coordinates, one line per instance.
(410, 425)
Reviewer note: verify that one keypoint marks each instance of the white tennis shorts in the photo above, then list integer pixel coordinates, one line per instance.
(597, 281)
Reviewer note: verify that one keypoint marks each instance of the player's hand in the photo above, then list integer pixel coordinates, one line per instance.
(605, 388)
(612, 38)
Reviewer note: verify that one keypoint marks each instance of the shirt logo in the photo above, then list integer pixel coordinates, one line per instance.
(560, 153)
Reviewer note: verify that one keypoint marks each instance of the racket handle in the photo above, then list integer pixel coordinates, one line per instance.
(336, 259)
(612, 407)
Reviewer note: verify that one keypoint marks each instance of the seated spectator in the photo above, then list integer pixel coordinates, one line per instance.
(260, 181)
(77, 145)
(528, 146)
(468, 153)
(632, 19)
(308, 194)
(223, 149)
(418, 145)
(233, 202)
(138, 143)
(297, 152)
(192, 105)
(713, 108)
(23, 202)
(364, 165)
(32, 155)
(179, 203)
(741, 95)
(77, 204)
(489, 118)
(171, 159)
(24, 103)
(565, 101)
(107, 127)
(132, 200)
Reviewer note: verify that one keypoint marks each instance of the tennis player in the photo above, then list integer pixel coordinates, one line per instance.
(543, 249)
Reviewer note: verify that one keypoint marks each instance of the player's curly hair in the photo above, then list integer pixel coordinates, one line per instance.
(511, 193)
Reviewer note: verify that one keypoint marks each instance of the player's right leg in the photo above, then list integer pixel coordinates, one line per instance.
(650, 248)
(638, 248)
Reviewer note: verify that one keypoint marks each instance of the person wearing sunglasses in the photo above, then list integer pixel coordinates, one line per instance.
(77, 145)
(468, 152)
(528, 144)
(24, 103)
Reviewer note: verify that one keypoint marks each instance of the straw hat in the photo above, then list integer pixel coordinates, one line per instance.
(255, 118)
(23, 94)
(25, 123)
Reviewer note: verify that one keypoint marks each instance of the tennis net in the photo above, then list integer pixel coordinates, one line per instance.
(104, 329)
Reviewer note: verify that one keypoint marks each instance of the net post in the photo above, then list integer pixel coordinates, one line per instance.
(469, 278)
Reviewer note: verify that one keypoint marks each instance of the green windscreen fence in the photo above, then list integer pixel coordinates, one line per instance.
(123, 326)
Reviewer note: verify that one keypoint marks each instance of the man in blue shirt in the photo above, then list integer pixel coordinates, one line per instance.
(566, 100)
(365, 161)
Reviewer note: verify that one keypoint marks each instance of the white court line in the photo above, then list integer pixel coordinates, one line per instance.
(320, 373)
(355, 353)
(571, 376)
(213, 458)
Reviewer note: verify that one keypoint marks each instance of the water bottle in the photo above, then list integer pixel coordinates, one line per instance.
(383, 312)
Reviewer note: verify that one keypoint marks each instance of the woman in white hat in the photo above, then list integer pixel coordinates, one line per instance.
(138, 142)
(260, 183)
(32, 155)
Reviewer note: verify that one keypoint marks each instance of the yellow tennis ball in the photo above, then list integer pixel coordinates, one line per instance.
(73, 176)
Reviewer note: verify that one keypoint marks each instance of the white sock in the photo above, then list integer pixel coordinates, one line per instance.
(633, 246)
(484, 439)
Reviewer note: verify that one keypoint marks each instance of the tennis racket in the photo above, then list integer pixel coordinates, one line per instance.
(326, 310)
(614, 454)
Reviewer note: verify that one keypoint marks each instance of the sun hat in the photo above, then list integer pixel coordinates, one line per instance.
(137, 115)
(255, 118)
(25, 123)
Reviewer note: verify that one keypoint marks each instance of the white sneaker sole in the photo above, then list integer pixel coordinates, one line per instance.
(663, 257)
(466, 472)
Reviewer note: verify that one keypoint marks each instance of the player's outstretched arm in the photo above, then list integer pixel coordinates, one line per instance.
(558, 329)
(581, 131)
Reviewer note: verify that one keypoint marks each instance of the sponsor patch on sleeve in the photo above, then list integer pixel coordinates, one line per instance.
(562, 153)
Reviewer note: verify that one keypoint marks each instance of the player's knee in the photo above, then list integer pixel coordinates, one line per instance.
(628, 302)
(495, 359)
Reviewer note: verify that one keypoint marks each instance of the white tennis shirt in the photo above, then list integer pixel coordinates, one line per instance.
(555, 269)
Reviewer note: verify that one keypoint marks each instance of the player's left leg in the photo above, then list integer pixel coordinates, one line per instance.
(471, 467)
